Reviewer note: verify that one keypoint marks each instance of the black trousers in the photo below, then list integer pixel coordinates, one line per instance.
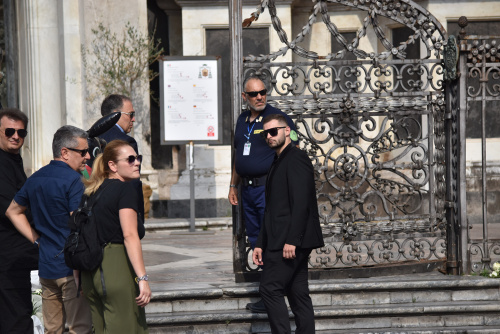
(15, 302)
(282, 277)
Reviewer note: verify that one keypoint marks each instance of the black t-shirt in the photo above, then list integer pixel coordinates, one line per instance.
(16, 252)
(115, 196)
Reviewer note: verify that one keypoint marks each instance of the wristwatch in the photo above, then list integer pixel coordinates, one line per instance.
(142, 278)
(233, 186)
(37, 242)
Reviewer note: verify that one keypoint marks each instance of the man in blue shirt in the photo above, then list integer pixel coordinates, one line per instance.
(52, 193)
(252, 160)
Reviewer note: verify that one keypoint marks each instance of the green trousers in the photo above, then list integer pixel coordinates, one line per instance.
(117, 312)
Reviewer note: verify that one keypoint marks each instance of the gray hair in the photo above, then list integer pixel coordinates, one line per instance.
(66, 136)
(252, 78)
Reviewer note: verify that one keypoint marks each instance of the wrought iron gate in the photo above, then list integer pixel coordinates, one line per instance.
(479, 85)
(374, 129)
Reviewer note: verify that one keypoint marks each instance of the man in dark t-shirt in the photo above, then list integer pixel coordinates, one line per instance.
(18, 256)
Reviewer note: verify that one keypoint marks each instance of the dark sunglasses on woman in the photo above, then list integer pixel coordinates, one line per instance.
(131, 159)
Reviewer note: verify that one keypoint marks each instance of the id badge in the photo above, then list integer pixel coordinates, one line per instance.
(246, 148)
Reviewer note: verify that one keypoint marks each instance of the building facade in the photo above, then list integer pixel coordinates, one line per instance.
(44, 39)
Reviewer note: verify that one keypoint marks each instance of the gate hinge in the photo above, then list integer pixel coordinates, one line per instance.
(450, 204)
(448, 115)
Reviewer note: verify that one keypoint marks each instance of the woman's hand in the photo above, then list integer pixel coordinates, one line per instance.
(144, 294)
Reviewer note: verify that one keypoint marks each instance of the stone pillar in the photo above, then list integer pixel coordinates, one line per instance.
(40, 79)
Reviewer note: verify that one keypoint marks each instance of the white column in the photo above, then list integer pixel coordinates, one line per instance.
(39, 79)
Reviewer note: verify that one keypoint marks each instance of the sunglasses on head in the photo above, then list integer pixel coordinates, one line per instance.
(82, 152)
(131, 159)
(9, 132)
(254, 94)
(272, 131)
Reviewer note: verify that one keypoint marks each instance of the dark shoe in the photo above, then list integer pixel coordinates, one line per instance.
(257, 307)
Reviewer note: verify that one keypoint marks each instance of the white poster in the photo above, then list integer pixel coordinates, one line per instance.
(190, 100)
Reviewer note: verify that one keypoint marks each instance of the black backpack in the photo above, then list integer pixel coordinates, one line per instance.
(83, 249)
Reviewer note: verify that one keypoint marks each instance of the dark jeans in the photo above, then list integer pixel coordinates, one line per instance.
(15, 302)
(282, 277)
(254, 205)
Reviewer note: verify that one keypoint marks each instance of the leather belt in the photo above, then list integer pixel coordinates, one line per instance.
(254, 181)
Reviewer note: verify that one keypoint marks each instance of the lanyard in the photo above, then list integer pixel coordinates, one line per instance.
(249, 131)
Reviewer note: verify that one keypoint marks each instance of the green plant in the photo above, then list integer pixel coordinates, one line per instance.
(118, 64)
(36, 304)
(495, 273)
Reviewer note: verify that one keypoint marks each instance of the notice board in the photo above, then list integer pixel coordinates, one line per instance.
(190, 100)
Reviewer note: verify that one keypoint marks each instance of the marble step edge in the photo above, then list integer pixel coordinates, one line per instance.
(226, 316)
(251, 289)
(157, 224)
(248, 328)
(435, 330)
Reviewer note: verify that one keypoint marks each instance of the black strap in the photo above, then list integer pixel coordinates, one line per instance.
(79, 287)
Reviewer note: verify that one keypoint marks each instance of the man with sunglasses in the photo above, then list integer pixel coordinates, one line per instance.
(17, 255)
(52, 193)
(123, 104)
(291, 230)
(252, 160)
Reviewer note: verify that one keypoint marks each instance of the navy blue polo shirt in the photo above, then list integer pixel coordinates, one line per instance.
(261, 156)
(52, 193)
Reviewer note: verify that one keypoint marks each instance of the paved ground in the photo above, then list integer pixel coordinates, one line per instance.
(179, 260)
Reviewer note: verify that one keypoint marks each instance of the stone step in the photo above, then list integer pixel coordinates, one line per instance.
(328, 293)
(435, 330)
(355, 305)
(183, 224)
(473, 314)
(246, 329)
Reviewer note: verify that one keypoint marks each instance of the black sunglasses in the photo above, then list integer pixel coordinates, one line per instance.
(82, 152)
(131, 159)
(9, 132)
(129, 114)
(272, 131)
(254, 94)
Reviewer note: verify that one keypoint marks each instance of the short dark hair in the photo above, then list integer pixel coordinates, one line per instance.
(280, 118)
(66, 136)
(14, 114)
(113, 102)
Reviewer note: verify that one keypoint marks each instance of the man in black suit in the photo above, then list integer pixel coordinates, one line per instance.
(291, 230)
(122, 128)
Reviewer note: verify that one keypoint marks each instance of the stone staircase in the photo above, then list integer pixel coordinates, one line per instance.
(429, 303)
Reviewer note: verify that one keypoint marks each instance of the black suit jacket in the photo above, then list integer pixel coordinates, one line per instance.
(291, 214)
(115, 133)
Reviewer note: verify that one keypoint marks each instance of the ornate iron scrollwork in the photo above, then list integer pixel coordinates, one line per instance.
(373, 129)
(450, 59)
